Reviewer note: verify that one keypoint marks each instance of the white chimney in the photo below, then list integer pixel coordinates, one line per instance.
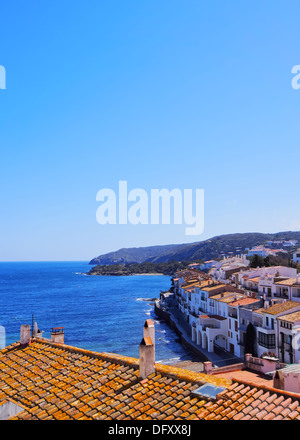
(147, 351)
(37, 333)
(25, 334)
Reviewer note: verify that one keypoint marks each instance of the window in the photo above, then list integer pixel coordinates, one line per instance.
(267, 341)
(208, 390)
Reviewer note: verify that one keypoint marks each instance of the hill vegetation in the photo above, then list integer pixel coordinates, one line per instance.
(138, 269)
(213, 248)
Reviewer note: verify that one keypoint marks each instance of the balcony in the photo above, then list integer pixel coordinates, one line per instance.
(281, 295)
(204, 327)
(232, 315)
(266, 330)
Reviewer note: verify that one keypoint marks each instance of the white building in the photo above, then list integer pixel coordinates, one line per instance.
(259, 250)
(267, 330)
(219, 327)
(289, 338)
(227, 266)
(210, 264)
(296, 256)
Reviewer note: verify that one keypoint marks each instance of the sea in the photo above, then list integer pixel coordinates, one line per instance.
(98, 313)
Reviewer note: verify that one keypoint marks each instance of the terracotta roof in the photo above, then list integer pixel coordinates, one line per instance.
(211, 287)
(54, 381)
(245, 401)
(231, 299)
(254, 279)
(222, 295)
(244, 301)
(291, 317)
(279, 308)
(289, 282)
(218, 317)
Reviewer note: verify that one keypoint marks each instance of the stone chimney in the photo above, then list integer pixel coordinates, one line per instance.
(147, 350)
(149, 330)
(25, 334)
(58, 335)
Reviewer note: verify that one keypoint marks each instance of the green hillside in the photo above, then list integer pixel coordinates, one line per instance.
(212, 248)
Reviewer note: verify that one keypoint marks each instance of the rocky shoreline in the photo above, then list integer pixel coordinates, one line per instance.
(197, 358)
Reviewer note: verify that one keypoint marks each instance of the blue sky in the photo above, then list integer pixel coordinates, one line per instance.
(162, 94)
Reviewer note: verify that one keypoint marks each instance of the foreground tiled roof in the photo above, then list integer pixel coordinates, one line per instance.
(53, 381)
(243, 401)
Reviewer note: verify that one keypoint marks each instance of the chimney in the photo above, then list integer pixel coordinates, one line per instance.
(149, 330)
(37, 333)
(147, 351)
(207, 367)
(25, 334)
(57, 335)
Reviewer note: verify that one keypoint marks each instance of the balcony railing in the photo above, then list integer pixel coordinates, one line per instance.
(204, 327)
(276, 295)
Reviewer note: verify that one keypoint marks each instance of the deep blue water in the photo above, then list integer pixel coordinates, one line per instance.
(98, 313)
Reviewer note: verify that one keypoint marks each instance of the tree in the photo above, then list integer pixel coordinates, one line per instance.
(250, 338)
(257, 261)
